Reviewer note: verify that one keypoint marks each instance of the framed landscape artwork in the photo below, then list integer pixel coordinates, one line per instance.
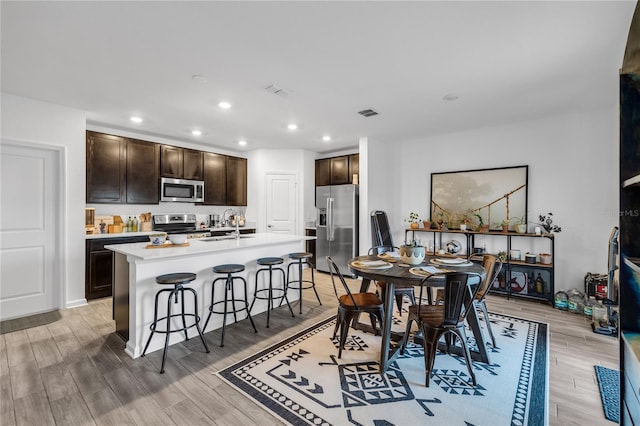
(480, 197)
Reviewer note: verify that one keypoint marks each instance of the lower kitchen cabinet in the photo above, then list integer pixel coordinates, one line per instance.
(311, 244)
(98, 279)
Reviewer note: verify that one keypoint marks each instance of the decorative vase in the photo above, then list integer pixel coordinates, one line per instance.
(414, 225)
(483, 228)
(505, 229)
(426, 224)
(521, 228)
(412, 255)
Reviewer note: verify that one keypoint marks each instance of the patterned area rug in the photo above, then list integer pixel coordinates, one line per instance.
(301, 380)
(609, 384)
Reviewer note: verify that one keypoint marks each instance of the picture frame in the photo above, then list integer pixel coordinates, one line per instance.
(491, 197)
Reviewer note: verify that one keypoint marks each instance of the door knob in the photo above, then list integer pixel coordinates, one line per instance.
(269, 226)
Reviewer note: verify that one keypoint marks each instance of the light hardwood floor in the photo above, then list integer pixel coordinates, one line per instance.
(74, 370)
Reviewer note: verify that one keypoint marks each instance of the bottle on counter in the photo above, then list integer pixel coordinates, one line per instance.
(129, 225)
(135, 224)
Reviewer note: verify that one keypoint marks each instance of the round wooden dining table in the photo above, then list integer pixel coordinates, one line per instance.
(399, 275)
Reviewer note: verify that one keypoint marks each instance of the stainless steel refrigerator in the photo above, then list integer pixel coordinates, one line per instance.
(337, 226)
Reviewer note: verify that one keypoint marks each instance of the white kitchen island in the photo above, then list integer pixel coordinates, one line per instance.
(136, 267)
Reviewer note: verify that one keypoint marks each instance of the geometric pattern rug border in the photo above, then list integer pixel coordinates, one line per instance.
(536, 388)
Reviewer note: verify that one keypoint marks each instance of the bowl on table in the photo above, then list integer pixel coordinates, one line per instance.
(157, 239)
(178, 239)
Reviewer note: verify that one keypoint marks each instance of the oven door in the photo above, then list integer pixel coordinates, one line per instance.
(181, 190)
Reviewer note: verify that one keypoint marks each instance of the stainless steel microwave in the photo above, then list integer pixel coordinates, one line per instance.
(181, 190)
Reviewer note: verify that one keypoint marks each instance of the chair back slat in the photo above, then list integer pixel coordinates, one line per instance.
(382, 249)
(492, 265)
(334, 271)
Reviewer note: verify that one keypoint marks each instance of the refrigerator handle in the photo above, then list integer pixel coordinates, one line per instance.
(330, 236)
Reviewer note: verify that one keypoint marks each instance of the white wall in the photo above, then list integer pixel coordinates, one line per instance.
(30, 121)
(296, 161)
(573, 173)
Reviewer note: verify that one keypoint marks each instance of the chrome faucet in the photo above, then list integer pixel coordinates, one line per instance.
(234, 213)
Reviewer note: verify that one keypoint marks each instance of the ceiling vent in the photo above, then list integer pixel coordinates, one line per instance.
(367, 113)
(276, 90)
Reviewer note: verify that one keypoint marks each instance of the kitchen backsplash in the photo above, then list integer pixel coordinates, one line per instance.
(202, 212)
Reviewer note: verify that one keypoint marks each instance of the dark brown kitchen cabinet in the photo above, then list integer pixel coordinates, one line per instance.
(193, 164)
(337, 170)
(215, 179)
(106, 158)
(340, 170)
(172, 161)
(99, 265)
(181, 163)
(323, 172)
(143, 166)
(354, 168)
(236, 181)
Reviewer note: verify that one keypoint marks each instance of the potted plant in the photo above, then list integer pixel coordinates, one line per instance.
(502, 255)
(412, 253)
(426, 224)
(519, 224)
(414, 219)
(481, 226)
(546, 221)
(504, 225)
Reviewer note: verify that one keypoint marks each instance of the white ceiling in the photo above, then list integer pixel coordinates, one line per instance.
(506, 61)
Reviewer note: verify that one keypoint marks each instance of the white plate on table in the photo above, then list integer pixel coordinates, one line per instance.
(390, 256)
(451, 262)
(371, 264)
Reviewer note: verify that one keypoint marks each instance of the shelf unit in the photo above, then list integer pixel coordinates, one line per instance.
(527, 280)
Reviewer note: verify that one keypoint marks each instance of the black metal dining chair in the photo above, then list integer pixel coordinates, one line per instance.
(435, 321)
(350, 305)
(399, 293)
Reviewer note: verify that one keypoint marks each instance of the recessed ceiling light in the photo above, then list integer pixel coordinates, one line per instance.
(292, 126)
(242, 143)
(224, 105)
(326, 138)
(450, 97)
(196, 132)
(136, 119)
(199, 78)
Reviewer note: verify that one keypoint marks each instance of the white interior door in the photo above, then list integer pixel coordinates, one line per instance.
(281, 203)
(29, 182)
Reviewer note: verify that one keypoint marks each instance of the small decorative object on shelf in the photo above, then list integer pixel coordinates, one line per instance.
(414, 220)
(546, 221)
(519, 225)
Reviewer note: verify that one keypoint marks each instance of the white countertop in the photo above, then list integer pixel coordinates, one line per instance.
(199, 246)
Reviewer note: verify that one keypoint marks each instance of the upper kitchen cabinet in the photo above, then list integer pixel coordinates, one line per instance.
(215, 179)
(181, 163)
(340, 170)
(323, 172)
(236, 181)
(106, 168)
(143, 166)
(337, 170)
(354, 168)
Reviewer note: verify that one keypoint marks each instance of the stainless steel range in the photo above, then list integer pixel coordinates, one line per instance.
(178, 224)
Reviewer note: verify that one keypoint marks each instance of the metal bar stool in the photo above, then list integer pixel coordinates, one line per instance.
(298, 259)
(177, 280)
(270, 263)
(229, 269)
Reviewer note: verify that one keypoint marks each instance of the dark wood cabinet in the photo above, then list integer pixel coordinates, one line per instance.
(171, 163)
(311, 244)
(236, 181)
(340, 170)
(337, 170)
(323, 172)
(105, 168)
(99, 265)
(143, 166)
(215, 179)
(354, 168)
(193, 164)
(181, 163)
